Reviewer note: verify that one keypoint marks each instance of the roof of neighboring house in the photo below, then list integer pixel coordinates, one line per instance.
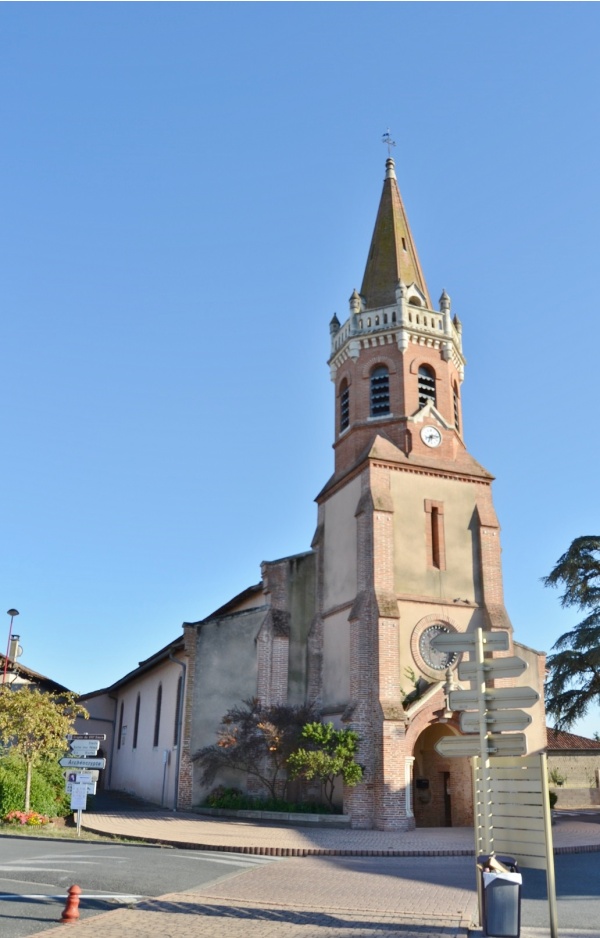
(44, 683)
(558, 740)
(147, 665)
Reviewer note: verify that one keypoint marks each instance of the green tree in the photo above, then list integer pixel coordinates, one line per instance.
(574, 681)
(330, 753)
(256, 740)
(33, 726)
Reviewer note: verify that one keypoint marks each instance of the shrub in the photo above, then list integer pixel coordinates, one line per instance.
(235, 800)
(553, 798)
(48, 796)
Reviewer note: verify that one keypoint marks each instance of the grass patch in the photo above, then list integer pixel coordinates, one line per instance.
(61, 832)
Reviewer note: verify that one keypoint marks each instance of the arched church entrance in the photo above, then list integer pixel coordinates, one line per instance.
(442, 788)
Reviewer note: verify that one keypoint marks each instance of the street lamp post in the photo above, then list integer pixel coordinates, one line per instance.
(12, 613)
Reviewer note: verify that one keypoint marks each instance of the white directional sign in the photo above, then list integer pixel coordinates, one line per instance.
(500, 698)
(71, 736)
(90, 787)
(513, 744)
(466, 641)
(496, 721)
(82, 763)
(494, 668)
(84, 747)
(92, 774)
(78, 797)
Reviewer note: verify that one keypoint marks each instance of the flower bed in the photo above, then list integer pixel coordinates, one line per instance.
(30, 818)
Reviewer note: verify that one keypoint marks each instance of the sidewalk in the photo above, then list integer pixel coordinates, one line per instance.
(312, 894)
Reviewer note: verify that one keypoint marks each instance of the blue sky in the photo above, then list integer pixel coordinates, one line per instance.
(188, 195)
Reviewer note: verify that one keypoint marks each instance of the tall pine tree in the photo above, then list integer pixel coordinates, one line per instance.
(574, 681)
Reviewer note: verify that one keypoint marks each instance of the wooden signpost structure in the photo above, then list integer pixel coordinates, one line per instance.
(510, 790)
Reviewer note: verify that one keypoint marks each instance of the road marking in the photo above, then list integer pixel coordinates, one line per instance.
(61, 897)
(239, 859)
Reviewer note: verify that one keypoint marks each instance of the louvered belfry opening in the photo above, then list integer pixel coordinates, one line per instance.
(380, 391)
(426, 385)
(344, 407)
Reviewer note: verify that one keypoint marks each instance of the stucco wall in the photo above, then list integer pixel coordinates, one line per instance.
(101, 709)
(336, 661)
(147, 771)
(226, 674)
(302, 611)
(533, 677)
(413, 574)
(340, 545)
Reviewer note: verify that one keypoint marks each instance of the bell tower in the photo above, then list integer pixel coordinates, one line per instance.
(407, 541)
(397, 363)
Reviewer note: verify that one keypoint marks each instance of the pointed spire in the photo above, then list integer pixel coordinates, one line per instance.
(392, 255)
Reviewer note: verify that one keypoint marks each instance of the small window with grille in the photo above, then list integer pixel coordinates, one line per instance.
(426, 385)
(380, 391)
(456, 408)
(344, 406)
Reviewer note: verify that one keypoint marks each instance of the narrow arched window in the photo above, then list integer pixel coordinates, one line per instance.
(136, 722)
(380, 391)
(344, 406)
(177, 711)
(426, 385)
(120, 725)
(456, 399)
(157, 715)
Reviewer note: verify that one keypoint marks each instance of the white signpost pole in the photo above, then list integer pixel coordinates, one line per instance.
(485, 802)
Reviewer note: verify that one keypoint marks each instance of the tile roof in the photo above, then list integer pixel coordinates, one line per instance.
(559, 740)
(392, 255)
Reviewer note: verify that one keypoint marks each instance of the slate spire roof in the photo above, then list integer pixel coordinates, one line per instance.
(392, 255)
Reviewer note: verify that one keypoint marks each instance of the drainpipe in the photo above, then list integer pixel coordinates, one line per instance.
(183, 665)
(112, 748)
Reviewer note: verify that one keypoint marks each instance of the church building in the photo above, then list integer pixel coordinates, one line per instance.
(407, 545)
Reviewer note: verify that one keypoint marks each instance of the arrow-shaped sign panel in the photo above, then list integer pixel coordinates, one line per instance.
(497, 721)
(513, 744)
(466, 641)
(500, 698)
(84, 747)
(82, 763)
(494, 668)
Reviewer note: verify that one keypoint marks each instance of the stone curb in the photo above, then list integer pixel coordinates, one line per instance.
(316, 851)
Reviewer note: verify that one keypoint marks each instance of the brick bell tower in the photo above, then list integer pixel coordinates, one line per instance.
(407, 542)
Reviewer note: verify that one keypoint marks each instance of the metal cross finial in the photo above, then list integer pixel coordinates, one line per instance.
(387, 139)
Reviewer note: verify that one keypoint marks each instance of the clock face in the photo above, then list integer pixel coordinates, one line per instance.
(438, 660)
(431, 436)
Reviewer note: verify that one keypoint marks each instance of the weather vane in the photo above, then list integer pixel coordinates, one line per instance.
(387, 139)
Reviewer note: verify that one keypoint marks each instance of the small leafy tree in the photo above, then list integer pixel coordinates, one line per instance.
(329, 753)
(574, 682)
(256, 740)
(33, 726)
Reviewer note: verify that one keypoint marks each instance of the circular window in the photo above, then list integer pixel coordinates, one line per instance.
(431, 660)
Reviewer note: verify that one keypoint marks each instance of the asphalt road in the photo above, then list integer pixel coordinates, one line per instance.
(36, 874)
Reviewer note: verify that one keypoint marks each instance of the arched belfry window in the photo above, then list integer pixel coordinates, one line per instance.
(344, 406)
(380, 391)
(426, 385)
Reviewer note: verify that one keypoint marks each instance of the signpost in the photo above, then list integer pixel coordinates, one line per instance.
(79, 785)
(510, 796)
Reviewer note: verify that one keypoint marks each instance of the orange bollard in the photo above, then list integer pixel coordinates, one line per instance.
(71, 911)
